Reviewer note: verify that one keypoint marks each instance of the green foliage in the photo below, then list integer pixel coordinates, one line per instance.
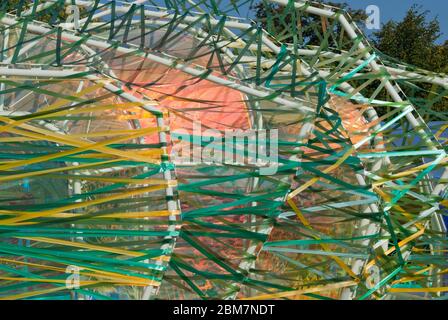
(54, 14)
(277, 20)
(414, 41)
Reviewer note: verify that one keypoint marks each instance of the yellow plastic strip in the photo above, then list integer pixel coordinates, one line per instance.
(33, 215)
(303, 291)
(418, 290)
(85, 246)
(326, 171)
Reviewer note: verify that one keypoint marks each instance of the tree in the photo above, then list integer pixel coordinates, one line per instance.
(277, 20)
(54, 15)
(411, 41)
(414, 41)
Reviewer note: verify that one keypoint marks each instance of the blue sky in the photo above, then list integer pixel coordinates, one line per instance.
(389, 10)
(396, 10)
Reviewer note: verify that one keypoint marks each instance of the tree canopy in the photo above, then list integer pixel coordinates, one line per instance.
(276, 20)
(414, 41)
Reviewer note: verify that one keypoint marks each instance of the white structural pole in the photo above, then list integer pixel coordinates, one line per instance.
(42, 73)
(170, 62)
